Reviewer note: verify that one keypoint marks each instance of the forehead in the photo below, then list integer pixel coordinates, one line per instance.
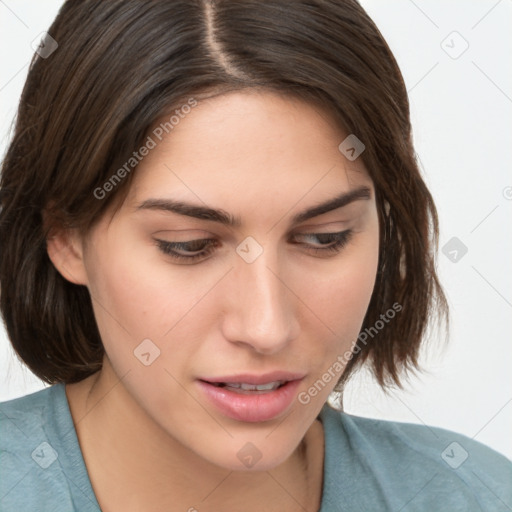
(249, 145)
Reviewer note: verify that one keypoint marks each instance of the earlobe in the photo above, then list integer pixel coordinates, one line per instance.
(65, 250)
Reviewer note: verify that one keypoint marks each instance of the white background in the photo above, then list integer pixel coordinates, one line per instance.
(461, 113)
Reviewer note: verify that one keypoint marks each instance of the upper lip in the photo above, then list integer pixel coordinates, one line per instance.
(257, 379)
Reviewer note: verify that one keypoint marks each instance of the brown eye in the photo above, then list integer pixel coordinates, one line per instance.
(324, 243)
(190, 251)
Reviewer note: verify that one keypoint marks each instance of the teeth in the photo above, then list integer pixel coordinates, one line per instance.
(254, 387)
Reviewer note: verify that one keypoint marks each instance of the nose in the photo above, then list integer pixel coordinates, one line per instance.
(260, 310)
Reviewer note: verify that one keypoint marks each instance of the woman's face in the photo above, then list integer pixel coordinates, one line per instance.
(218, 268)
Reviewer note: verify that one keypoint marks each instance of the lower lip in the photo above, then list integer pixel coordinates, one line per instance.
(251, 408)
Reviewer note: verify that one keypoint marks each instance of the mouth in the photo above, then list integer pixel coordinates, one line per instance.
(251, 398)
(245, 388)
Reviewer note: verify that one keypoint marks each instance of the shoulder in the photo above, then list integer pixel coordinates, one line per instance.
(34, 430)
(416, 467)
(22, 421)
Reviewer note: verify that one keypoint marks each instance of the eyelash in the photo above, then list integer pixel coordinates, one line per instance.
(337, 242)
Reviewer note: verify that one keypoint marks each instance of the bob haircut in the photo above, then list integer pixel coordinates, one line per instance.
(123, 64)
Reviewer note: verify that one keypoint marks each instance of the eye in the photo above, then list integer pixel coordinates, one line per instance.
(189, 251)
(192, 251)
(324, 243)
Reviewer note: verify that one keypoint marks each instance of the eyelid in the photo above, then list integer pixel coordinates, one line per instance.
(329, 227)
(335, 234)
(187, 234)
(171, 248)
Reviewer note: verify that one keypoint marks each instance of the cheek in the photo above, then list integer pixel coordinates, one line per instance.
(136, 295)
(338, 301)
(340, 294)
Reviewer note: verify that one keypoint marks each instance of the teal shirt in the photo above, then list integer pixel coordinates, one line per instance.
(369, 466)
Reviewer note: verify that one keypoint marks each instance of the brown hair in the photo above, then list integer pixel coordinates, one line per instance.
(119, 66)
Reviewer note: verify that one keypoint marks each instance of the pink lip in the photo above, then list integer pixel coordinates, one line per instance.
(251, 408)
(256, 379)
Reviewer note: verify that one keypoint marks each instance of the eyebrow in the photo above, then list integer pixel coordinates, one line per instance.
(222, 217)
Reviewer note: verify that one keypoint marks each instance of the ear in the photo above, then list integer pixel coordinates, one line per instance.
(65, 250)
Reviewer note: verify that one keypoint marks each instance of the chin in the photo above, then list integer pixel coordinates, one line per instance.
(244, 455)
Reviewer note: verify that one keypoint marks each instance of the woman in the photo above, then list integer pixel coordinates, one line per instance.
(204, 208)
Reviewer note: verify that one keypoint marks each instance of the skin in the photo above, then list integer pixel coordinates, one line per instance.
(150, 439)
